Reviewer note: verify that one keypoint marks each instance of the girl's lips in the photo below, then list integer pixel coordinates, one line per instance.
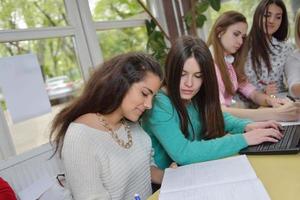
(187, 91)
(140, 110)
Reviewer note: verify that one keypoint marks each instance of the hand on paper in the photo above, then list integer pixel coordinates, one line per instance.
(288, 112)
(276, 102)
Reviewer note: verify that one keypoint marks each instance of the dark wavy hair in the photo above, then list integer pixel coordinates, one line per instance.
(207, 99)
(104, 91)
(258, 42)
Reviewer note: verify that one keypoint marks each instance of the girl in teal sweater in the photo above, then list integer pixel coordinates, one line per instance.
(186, 123)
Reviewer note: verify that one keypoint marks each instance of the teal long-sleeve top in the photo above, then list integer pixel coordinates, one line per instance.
(163, 126)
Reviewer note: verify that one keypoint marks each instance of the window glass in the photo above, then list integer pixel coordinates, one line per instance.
(21, 14)
(63, 81)
(118, 41)
(103, 10)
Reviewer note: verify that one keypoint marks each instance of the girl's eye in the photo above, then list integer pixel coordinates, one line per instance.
(144, 94)
(198, 75)
(278, 17)
(183, 74)
(236, 34)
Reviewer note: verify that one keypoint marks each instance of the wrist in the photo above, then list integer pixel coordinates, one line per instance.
(269, 100)
(247, 128)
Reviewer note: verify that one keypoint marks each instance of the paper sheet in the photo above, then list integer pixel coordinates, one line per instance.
(237, 168)
(245, 190)
(23, 87)
(231, 178)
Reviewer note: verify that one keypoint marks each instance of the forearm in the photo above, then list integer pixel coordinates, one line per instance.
(295, 90)
(260, 114)
(156, 175)
(233, 124)
(260, 98)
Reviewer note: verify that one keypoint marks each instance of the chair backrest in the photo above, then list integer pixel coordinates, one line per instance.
(23, 170)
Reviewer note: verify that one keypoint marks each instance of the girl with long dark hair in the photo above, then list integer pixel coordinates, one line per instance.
(268, 49)
(106, 154)
(186, 123)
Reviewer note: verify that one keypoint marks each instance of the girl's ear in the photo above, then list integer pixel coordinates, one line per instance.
(218, 29)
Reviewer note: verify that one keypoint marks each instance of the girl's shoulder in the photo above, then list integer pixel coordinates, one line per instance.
(162, 98)
(161, 104)
(285, 44)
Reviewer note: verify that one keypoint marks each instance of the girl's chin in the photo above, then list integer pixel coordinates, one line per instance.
(186, 98)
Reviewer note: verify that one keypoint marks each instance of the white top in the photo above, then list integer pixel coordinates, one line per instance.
(292, 69)
(281, 51)
(98, 168)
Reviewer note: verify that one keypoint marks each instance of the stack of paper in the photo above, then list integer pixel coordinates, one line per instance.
(225, 179)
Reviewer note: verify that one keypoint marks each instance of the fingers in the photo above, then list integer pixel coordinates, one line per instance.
(271, 89)
(271, 124)
(270, 139)
(275, 125)
(259, 136)
(283, 101)
(274, 133)
(173, 165)
(276, 102)
(297, 104)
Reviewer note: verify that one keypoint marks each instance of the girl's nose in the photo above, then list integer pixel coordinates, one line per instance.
(271, 19)
(148, 103)
(189, 81)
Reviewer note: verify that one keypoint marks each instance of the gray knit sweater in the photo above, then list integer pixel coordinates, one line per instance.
(98, 168)
(292, 69)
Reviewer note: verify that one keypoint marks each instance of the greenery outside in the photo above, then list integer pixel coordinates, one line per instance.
(113, 42)
(103, 10)
(21, 14)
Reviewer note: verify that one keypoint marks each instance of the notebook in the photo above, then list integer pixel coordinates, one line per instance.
(289, 144)
(230, 178)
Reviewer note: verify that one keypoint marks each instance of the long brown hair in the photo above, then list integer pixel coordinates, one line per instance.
(258, 41)
(297, 28)
(206, 100)
(220, 26)
(104, 91)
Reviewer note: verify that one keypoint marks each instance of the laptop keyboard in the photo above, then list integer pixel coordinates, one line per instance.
(285, 142)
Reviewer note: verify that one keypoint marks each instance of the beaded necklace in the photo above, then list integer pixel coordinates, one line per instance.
(114, 135)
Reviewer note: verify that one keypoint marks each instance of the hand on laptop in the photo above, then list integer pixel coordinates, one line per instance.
(265, 124)
(260, 135)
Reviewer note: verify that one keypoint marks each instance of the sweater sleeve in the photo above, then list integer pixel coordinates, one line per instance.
(82, 167)
(246, 88)
(163, 124)
(221, 86)
(292, 69)
(235, 125)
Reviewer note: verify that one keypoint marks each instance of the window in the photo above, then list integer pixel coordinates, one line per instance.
(22, 14)
(68, 45)
(63, 81)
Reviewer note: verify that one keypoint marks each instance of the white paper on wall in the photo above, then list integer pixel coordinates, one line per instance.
(23, 87)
